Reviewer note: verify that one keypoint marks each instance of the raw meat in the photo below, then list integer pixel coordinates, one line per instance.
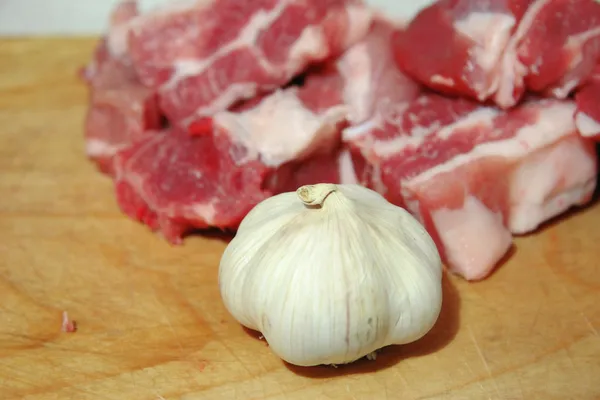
(123, 14)
(475, 174)
(374, 87)
(68, 325)
(262, 97)
(587, 118)
(175, 182)
(205, 56)
(121, 109)
(497, 50)
(289, 124)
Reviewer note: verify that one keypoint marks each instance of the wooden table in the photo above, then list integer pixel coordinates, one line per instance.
(150, 321)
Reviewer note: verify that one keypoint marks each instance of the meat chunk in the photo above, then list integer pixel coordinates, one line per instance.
(498, 50)
(176, 182)
(587, 118)
(173, 183)
(121, 109)
(475, 174)
(463, 168)
(205, 56)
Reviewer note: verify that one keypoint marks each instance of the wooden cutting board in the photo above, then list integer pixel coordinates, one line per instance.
(150, 321)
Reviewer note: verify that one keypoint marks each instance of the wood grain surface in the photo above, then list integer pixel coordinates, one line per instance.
(150, 321)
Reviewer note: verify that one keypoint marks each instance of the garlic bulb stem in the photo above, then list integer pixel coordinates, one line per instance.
(312, 195)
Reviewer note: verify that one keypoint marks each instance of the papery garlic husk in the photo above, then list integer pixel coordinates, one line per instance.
(331, 273)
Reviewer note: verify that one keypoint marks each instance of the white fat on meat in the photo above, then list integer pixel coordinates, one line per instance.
(482, 117)
(96, 148)
(555, 121)
(374, 87)
(474, 238)
(117, 41)
(575, 47)
(549, 182)
(356, 66)
(206, 211)
(281, 128)
(491, 31)
(586, 125)
(512, 71)
(359, 21)
(347, 172)
(442, 80)
(359, 132)
(565, 89)
(227, 97)
(312, 43)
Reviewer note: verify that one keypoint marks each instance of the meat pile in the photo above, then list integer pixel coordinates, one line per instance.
(478, 117)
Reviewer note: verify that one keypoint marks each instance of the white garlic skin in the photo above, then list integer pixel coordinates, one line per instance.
(332, 284)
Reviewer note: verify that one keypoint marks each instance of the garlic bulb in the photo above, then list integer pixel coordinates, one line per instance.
(331, 273)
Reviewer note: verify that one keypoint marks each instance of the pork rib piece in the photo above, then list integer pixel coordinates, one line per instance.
(587, 118)
(475, 174)
(176, 182)
(206, 55)
(497, 50)
(121, 109)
